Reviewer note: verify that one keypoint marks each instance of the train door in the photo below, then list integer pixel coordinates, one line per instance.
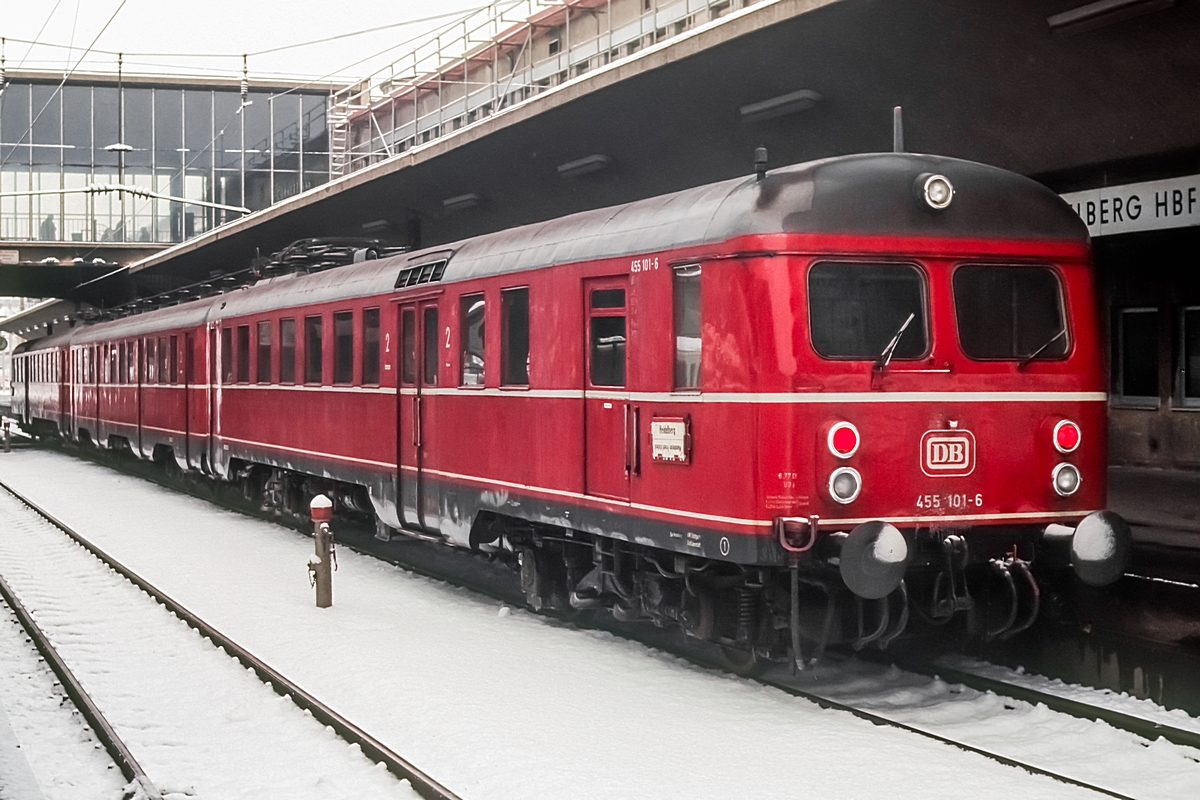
(212, 371)
(418, 373)
(606, 408)
(186, 364)
(66, 360)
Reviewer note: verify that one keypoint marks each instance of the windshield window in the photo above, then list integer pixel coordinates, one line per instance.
(855, 310)
(1007, 312)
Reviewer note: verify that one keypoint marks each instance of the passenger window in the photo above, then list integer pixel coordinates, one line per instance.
(227, 355)
(514, 344)
(173, 363)
(343, 347)
(431, 346)
(151, 371)
(243, 354)
(855, 310)
(370, 347)
(287, 351)
(313, 354)
(122, 364)
(471, 338)
(164, 354)
(263, 368)
(687, 327)
(1007, 312)
(189, 358)
(408, 347)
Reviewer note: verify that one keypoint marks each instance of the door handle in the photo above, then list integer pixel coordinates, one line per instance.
(416, 422)
(625, 431)
(635, 440)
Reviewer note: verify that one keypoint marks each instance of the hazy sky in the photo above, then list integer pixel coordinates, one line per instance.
(161, 36)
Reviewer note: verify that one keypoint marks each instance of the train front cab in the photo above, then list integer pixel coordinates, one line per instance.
(945, 424)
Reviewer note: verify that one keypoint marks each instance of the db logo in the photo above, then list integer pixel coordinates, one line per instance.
(948, 453)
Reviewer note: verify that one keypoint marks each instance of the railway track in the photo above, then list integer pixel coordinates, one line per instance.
(1148, 729)
(434, 561)
(116, 748)
(424, 784)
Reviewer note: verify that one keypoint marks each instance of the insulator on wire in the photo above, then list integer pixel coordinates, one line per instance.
(246, 101)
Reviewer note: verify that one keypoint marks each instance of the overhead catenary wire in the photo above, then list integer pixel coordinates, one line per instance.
(36, 42)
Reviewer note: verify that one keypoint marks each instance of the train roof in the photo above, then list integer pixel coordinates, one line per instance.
(871, 194)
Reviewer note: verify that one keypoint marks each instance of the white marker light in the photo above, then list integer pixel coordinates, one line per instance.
(1066, 479)
(844, 485)
(938, 191)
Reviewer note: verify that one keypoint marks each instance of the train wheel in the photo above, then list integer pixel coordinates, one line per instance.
(744, 663)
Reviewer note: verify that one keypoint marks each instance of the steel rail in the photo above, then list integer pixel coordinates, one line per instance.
(882, 721)
(1147, 729)
(116, 748)
(423, 783)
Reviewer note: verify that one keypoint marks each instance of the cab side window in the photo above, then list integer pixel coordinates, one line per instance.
(471, 338)
(686, 290)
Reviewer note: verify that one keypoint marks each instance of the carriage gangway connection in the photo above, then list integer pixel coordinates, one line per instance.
(840, 693)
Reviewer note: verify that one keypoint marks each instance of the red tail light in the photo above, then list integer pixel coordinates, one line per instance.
(843, 440)
(1066, 436)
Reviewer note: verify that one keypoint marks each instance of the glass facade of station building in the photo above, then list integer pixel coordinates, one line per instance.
(194, 141)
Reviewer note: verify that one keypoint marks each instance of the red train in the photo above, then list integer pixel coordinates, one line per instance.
(778, 411)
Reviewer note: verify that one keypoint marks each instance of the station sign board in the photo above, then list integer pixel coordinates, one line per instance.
(1133, 207)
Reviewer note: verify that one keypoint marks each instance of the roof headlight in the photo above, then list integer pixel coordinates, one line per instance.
(844, 485)
(1066, 479)
(937, 190)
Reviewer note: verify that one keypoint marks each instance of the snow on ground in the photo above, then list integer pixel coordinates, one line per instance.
(46, 749)
(196, 721)
(500, 703)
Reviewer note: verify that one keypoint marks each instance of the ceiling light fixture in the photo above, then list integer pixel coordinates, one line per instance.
(461, 202)
(583, 166)
(780, 106)
(1103, 12)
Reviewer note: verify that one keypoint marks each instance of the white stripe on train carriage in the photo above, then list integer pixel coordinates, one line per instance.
(387, 464)
(164, 430)
(776, 397)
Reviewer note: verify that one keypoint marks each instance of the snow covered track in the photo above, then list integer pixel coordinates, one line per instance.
(825, 701)
(116, 748)
(1149, 729)
(359, 740)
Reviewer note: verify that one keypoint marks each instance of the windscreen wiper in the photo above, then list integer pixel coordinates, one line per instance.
(885, 357)
(1042, 349)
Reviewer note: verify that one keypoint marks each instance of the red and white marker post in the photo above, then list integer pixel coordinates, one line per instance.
(320, 565)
